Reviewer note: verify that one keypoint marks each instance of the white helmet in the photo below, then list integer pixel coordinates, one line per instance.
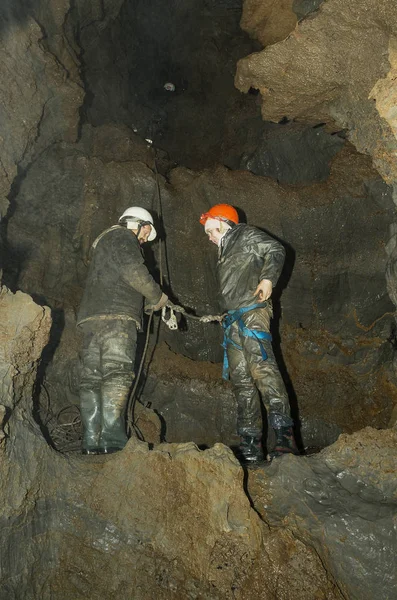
(135, 216)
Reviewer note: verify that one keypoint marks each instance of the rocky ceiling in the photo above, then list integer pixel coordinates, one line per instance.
(287, 110)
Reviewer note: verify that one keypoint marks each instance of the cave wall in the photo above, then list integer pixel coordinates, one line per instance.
(174, 522)
(334, 322)
(326, 71)
(41, 90)
(333, 315)
(194, 45)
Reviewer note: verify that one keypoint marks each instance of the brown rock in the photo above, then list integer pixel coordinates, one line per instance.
(268, 21)
(330, 70)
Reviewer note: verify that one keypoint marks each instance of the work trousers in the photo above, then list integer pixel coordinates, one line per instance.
(107, 357)
(251, 374)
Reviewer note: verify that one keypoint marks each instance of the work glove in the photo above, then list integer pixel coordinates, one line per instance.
(162, 302)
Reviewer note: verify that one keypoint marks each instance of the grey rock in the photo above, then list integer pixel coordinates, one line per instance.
(346, 498)
(302, 8)
(293, 154)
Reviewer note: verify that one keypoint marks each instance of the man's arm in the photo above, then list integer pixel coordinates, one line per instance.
(134, 271)
(273, 256)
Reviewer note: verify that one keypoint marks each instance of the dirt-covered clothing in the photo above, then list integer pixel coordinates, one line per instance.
(118, 282)
(118, 279)
(250, 373)
(246, 256)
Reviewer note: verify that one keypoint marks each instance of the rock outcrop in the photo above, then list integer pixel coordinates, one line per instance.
(41, 90)
(24, 332)
(336, 67)
(343, 499)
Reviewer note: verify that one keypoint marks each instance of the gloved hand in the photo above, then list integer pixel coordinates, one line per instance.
(162, 302)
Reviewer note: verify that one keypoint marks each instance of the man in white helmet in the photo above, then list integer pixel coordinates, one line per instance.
(110, 314)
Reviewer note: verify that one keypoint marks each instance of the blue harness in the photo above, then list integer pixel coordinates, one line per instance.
(233, 316)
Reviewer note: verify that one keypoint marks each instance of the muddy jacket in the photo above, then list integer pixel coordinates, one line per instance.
(246, 256)
(118, 279)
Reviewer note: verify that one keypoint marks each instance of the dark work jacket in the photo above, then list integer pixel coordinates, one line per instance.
(118, 279)
(245, 257)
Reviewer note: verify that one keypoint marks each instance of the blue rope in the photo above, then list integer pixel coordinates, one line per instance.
(233, 316)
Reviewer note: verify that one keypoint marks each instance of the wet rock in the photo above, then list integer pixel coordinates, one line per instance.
(192, 409)
(168, 523)
(317, 434)
(175, 522)
(292, 154)
(302, 8)
(344, 498)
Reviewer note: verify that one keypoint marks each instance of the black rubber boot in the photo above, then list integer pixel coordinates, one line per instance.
(250, 449)
(285, 442)
(114, 400)
(90, 410)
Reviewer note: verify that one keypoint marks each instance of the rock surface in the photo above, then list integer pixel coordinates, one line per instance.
(344, 499)
(267, 21)
(97, 530)
(175, 522)
(24, 331)
(42, 91)
(327, 71)
(336, 341)
(290, 153)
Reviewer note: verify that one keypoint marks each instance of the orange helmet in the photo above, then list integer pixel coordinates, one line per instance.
(223, 212)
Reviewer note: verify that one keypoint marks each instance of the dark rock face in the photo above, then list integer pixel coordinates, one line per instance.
(332, 309)
(140, 47)
(292, 154)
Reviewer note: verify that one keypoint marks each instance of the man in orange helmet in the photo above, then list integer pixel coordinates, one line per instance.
(249, 264)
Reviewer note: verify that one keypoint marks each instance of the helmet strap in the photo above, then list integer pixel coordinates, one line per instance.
(138, 226)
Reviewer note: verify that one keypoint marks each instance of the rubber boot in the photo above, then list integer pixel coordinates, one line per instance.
(250, 449)
(90, 410)
(285, 442)
(113, 434)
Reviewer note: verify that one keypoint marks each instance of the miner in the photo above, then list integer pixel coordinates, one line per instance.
(109, 316)
(249, 264)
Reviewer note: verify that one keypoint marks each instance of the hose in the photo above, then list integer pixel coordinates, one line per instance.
(170, 321)
(131, 425)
